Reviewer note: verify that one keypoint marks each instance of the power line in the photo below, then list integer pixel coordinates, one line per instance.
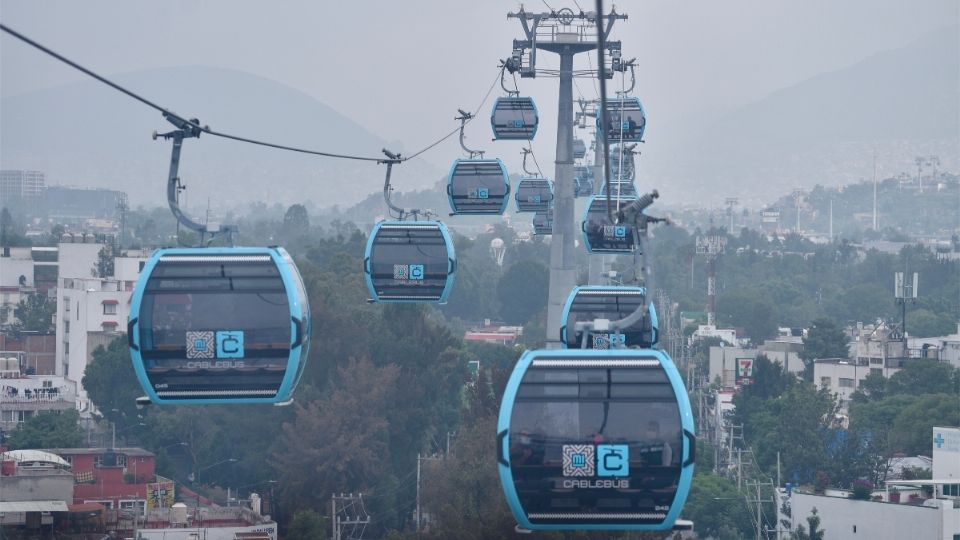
(206, 129)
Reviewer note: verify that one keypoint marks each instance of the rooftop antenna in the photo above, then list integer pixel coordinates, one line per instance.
(874, 189)
(731, 202)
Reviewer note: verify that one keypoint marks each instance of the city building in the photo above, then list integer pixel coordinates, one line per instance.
(726, 363)
(91, 311)
(19, 187)
(34, 352)
(73, 206)
(116, 478)
(944, 348)
(24, 396)
(928, 509)
(35, 487)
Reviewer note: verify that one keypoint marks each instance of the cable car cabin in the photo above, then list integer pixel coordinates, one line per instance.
(582, 171)
(619, 189)
(579, 149)
(219, 325)
(602, 236)
(543, 222)
(582, 186)
(628, 166)
(409, 262)
(478, 186)
(514, 118)
(534, 195)
(589, 303)
(595, 440)
(627, 120)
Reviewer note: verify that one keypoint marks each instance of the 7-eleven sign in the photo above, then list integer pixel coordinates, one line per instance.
(744, 371)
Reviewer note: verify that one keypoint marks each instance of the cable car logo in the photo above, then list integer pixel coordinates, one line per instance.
(615, 231)
(518, 123)
(220, 344)
(479, 193)
(603, 460)
(603, 341)
(412, 272)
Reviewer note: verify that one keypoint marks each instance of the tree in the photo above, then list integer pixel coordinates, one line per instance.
(103, 268)
(522, 291)
(11, 233)
(296, 224)
(48, 430)
(925, 323)
(813, 522)
(824, 339)
(717, 508)
(111, 382)
(307, 525)
(35, 314)
(925, 376)
(338, 443)
(747, 310)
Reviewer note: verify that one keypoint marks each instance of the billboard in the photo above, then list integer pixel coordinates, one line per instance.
(160, 495)
(744, 371)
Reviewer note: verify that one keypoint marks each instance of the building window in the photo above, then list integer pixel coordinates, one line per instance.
(138, 506)
(66, 348)
(109, 309)
(66, 304)
(876, 371)
(951, 490)
(846, 383)
(66, 326)
(876, 361)
(825, 382)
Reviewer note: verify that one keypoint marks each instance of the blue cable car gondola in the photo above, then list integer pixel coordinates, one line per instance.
(582, 186)
(543, 222)
(534, 195)
(219, 325)
(514, 118)
(620, 189)
(579, 149)
(602, 236)
(478, 186)
(596, 440)
(409, 262)
(589, 303)
(627, 120)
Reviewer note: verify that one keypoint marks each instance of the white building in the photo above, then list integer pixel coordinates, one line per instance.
(729, 335)
(916, 516)
(724, 360)
(944, 348)
(91, 312)
(24, 396)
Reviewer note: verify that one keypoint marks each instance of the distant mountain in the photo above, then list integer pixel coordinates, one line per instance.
(87, 134)
(903, 103)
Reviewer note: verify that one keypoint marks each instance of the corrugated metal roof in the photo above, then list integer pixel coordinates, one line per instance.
(26, 456)
(33, 506)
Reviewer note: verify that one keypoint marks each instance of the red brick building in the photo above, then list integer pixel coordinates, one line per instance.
(116, 478)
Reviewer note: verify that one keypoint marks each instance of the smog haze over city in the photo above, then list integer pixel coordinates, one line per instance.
(450, 269)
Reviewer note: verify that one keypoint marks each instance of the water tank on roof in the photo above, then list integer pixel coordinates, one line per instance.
(178, 513)
(255, 503)
(66, 238)
(89, 238)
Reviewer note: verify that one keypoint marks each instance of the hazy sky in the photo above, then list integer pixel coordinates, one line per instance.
(401, 69)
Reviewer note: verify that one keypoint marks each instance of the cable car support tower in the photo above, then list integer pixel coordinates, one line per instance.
(565, 33)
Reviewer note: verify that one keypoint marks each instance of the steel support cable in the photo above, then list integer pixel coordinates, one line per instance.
(604, 114)
(206, 129)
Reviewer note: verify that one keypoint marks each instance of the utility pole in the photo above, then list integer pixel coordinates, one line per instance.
(348, 516)
(565, 33)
